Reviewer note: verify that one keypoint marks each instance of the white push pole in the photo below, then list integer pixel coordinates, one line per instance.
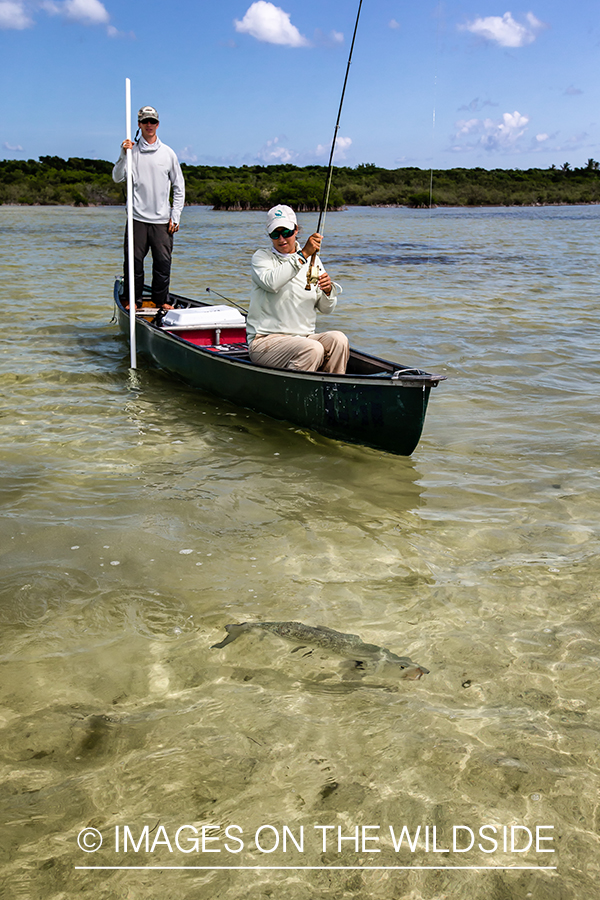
(130, 274)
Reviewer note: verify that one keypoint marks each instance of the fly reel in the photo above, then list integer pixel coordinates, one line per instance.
(312, 277)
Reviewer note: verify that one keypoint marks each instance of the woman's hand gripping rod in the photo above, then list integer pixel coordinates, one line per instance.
(309, 251)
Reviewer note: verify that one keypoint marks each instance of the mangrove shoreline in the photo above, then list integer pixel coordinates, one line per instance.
(52, 181)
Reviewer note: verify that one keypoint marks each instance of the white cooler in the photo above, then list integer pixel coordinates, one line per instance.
(204, 317)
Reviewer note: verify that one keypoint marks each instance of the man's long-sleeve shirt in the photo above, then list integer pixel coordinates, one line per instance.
(155, 169)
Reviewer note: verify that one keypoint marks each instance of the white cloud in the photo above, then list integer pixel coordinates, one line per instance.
(467, 126)
(274, 152)
(333, 39)
(113, 32)
(393, 24)
(511, 128)
(89, 12)
(551, 143)
(487, 134)
(505, 30)
(187, 155)
(84, 12)
(341, 145)
(14, 15)
(14, 148)
(269, 23)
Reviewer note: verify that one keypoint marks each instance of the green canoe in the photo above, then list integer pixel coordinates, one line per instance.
(377, 403)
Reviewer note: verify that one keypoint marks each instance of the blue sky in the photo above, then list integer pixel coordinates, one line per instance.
(470, 83)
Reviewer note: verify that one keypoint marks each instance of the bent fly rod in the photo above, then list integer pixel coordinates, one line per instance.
(312, 275)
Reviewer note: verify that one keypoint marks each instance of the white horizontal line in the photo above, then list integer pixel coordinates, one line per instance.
(299, 868)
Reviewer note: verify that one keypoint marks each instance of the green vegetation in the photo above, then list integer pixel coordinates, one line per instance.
(82, 182)
(52, 180)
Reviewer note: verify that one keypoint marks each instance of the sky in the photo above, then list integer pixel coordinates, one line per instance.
(236, 82)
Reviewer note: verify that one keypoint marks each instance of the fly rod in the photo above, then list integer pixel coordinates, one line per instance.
(212, 291)
(312, 275)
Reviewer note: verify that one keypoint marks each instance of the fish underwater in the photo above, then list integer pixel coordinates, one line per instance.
(350, 646)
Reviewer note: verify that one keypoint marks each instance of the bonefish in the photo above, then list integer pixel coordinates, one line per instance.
(349, 646)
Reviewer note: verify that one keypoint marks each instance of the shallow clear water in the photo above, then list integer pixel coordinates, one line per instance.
(141, 517)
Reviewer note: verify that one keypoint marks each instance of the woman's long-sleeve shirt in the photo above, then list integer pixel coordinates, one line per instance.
(279, 302)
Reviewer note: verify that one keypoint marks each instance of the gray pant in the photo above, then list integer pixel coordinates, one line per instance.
(157, 239)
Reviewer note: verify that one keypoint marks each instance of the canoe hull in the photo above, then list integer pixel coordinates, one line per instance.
(374, 411)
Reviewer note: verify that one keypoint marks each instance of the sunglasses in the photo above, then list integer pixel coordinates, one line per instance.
(282, 232)
(149, 122)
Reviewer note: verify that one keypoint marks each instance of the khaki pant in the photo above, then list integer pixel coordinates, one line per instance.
(327, 352)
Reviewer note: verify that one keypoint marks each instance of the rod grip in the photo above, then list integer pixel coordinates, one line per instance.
(309, 278)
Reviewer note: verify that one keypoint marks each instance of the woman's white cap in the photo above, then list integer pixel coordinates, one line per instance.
(281, 217)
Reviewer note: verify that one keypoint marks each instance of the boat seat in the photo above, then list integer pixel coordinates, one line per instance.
(231, 351)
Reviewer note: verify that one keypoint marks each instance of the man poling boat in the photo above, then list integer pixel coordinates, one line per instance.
(151, 170)
(274, 361)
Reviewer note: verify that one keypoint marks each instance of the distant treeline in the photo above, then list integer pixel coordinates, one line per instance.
(85, 182)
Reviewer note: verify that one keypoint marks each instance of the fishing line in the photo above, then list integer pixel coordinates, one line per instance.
(312, 275)
(325, 200)
(429, 232)
(438, 17)
(211, 291)
(432, 142)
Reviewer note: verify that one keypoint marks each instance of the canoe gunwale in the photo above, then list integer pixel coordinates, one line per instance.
(394, 373)
(381, 405)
